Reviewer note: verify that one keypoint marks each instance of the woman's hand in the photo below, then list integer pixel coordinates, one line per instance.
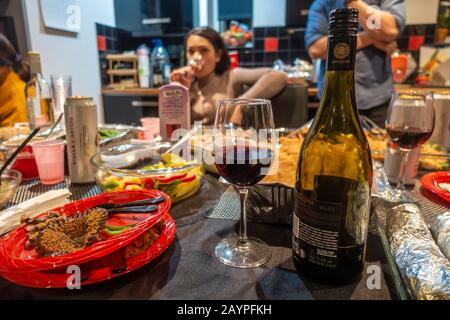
(183, 75)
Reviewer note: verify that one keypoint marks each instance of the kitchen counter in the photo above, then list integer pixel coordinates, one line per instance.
(434, 89)
(312, 92)
(130, 92)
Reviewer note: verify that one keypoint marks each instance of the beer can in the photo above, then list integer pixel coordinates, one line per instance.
(82, 137)
(393, 160)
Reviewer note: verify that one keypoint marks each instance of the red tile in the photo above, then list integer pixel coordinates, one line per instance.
(101, 43)
(415, 42)
(271, 45)
(234, 59)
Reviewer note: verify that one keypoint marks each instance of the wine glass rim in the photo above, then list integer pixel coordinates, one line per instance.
(233, 101)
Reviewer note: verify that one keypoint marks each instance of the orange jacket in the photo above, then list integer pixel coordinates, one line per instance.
(12, 101)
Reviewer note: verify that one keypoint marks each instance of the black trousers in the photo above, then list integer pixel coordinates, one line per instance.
(377, 114)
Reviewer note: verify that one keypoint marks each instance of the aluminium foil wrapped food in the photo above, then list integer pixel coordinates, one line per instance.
(417, 255)
(440, 227)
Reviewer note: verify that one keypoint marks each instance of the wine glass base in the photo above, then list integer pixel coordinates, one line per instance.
(252, 254)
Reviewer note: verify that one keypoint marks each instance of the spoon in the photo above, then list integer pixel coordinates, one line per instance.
(16, 152)
(183, 140)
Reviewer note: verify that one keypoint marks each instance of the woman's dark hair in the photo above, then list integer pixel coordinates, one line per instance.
(217, 42)
(10, 57)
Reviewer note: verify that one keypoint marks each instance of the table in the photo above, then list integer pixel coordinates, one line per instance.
(189, 269)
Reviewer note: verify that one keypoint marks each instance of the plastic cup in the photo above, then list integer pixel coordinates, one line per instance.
(151, 126)
(49, 157)
(61, 88)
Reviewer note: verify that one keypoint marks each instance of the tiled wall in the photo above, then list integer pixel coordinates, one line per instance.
(291, 44)
(269, 44)
(274, 43)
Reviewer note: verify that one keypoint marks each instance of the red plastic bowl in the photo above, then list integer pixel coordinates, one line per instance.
(26, 164)
(99, 269)
(15, 258)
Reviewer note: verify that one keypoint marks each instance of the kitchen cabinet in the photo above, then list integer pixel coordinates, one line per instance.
(129, 109)
(235, 10)
(154, 17)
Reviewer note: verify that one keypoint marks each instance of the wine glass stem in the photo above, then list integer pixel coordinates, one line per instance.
(402, 174)
(243, 194)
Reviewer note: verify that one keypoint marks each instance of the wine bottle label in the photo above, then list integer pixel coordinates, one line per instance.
(316, 228)
(341, 53)
(326, 233)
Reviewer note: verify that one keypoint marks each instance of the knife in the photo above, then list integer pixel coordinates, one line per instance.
(140, 203)
(141, 209)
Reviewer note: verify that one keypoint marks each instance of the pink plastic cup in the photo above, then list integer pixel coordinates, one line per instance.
(50, 160)
(151, 126)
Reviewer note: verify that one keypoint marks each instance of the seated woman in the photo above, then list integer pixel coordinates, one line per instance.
(13, 75)
(209, 78)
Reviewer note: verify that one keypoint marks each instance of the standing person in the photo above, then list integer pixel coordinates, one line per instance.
(379, 29)
(14, 73)
(211, 78)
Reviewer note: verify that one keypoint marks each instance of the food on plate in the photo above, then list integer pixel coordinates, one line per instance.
(288, 158)
(433, 157)
(145, 241)
(7, 189)
(7, 133)
(178, 186)
(108, 133)
(57, 234)
(378, 143)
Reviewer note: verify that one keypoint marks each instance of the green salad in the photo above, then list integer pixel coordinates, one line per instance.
(106, 134)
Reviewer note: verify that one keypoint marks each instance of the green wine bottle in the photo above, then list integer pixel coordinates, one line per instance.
(334, 174)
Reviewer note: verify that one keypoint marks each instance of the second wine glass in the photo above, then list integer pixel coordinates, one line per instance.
(409, 124)
(244, 150)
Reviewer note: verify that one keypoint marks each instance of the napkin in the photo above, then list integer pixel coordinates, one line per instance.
(10, 218)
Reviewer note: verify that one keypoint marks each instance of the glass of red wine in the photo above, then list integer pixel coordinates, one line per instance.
(244, 151)
(409, 124)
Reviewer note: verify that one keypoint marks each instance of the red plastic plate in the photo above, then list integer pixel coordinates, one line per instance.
(15, 258)
(100, 269)
(432, 181)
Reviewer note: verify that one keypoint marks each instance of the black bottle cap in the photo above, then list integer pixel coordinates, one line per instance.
(343, 22)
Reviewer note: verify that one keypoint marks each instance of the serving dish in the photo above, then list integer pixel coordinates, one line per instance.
(100, 269)
(15, 256)
(438, 183)
(137, 165)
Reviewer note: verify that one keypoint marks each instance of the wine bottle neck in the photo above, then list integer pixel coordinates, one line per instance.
(341, 53)
(339, 78)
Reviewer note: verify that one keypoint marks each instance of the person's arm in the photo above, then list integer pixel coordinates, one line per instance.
(390, 18)
(317, 30)
(183, 75)
(318, 49)
(264, 83)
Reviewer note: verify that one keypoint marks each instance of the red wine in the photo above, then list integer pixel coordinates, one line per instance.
(408, 138)
(243, 166)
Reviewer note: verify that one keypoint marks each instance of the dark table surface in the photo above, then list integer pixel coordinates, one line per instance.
(188, 269)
